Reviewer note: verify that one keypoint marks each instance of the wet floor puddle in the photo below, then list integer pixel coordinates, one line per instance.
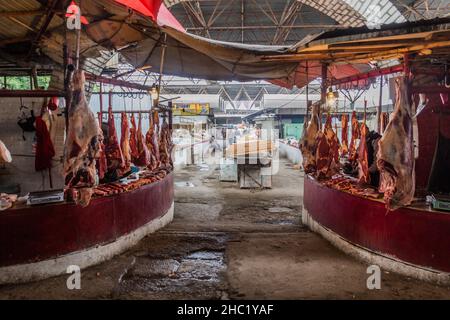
(198, 274)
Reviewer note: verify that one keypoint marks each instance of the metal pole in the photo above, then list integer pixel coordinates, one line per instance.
(169, 105)
(77, 48)
(365, 110)
(101, 101)
(307, 95)
(161, 66)
(379, 108)
(323, 90)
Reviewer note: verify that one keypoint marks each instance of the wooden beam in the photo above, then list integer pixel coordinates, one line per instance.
(31, 93)
(45, 24)
(5, 42)
(21, 13)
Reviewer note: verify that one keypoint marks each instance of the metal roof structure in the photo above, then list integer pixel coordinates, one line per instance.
(24, 24)
(289, 21)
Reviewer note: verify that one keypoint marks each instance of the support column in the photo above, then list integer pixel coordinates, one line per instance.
(379, 108)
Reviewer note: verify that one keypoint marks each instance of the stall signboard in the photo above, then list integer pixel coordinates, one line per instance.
(190, 109)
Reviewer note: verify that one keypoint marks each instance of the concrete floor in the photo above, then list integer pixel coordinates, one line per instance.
(228, 243)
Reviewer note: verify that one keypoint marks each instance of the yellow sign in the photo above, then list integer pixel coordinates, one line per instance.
(190, 109)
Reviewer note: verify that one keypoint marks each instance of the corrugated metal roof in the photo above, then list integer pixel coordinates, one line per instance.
(21, 26)
(11, 27)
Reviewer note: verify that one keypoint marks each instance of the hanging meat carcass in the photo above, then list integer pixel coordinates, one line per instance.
(151, 142)
(353, 154)
(114, 156)
(165, 145)
(143, 158)
(133, 140)
(327, 154)
(363, 162)
(395, 158)
(125, 142)
(101, 163)
(5, 155)
(45, 150)
(155, 117)
(82, 144)
(344, 135)
(308, 143)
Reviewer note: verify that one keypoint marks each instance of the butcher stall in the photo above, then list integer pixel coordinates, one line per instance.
(76, 189)
(379, 189)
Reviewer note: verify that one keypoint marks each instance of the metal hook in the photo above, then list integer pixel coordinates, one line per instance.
(446, 77)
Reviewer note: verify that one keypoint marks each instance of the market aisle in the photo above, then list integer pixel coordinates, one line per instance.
(228, 243)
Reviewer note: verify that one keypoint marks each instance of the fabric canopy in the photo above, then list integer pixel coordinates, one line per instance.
(149, 8)
(188, 55)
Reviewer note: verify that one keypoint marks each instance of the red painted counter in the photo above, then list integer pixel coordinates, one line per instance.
(419, 237)
(39, 233)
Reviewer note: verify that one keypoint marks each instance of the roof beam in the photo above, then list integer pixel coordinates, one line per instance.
(297, 26)
(22, 13)
(48, 18)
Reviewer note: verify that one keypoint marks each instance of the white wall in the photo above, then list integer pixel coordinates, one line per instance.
(21, 170)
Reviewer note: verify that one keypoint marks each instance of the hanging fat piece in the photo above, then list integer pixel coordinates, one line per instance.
(327, 154)
(395, 157)
(133, 140)
(308, 143)
(114, 156)
(125, 142)
(5, 155)
(363, 162)
(44, 145)
(143, 160)
(101, 163)
(344, 135)
(353, 154)
(82, 144)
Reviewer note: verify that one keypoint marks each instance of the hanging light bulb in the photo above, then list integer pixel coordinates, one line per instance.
(331, 99)
(154, 92)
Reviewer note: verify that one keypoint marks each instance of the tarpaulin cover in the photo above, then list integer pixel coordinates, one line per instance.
(148, 8)
(189, 55)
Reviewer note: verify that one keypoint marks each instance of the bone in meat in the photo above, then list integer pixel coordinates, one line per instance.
(81, 145)
(308, 143)
(395, 158)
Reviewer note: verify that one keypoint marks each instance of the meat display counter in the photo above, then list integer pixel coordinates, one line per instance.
(412, 240)
(41, 241)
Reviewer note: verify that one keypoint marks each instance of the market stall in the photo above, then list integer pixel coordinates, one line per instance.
(375, 191)
(72, 192)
